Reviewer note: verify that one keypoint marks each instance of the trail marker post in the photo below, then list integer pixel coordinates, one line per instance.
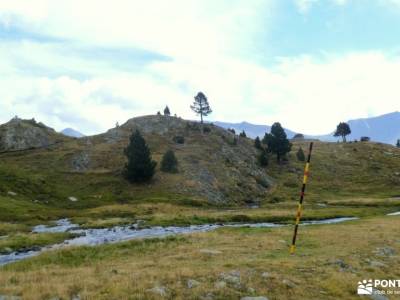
(300, 206)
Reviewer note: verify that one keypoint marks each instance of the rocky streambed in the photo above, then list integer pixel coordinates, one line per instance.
(92, 237)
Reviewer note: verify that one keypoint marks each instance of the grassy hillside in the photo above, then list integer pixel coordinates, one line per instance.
(215, 175)
(218, 178)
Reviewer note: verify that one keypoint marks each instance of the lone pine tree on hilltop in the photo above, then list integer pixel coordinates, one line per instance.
(342, 130)
(140, 167)
(166, 111)
(201, 106)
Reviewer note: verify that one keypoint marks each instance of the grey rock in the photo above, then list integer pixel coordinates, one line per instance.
(232, 277)
(158, 290)
(210, 252)
(18, 134)
(220, 284)
(72, 199)
(265, 275)
(191, 283)
(377, 264)
(385, 251)
(11, 193)
(208, 296)
(289, 283)
(6, 297)
(80, 161)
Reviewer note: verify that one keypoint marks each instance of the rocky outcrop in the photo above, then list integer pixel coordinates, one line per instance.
(19, 134)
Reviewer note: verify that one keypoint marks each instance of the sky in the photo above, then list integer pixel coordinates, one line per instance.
(308, 64)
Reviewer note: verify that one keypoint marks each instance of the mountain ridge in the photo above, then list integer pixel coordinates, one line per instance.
(383, 128)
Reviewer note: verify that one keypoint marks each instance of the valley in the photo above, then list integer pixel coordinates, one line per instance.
(219, 182)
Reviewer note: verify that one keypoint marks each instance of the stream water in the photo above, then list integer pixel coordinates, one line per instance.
(115, 234)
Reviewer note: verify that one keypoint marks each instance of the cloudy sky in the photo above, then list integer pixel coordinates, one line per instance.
(306, 63)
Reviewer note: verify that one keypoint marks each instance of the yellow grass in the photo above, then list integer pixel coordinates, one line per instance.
(128, 270)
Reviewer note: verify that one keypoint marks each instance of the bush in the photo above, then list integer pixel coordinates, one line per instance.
(232, 130)
(365, 139)
(263, 159)
(169, 163)
(179, 139)
(206, 129)
(300, 155)
(243, 134)
(257, 143)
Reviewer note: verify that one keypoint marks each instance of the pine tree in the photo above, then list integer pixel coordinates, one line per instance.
(277, 141)
(166, 111)
(300, 155)
(257, 143)
(342, 130)
(398, 143)
(263, 158)
(243, 134)
(201, 106)
(140, 167)
(169, 163)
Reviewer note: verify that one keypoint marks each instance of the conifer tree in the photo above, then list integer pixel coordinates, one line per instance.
(140, 166)
(342, 130)
(257, 143)
(277, 141)
(243, 134)
(201, 106)
(300, 155)
(166, 111)
(169, 163)
(263, 158)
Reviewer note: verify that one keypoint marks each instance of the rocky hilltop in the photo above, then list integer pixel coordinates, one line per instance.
(215, 165)
(19, 134)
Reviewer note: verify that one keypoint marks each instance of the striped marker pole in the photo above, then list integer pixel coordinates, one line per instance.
(300, 206)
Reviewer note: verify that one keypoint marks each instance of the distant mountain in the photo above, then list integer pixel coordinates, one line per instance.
(72, 133)
(384, 129)
(252, 130)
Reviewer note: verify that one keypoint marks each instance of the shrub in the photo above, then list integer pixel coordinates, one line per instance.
(169, 163)
(263, 158)
(206, 129)
(179, 139)
(365, 139)
(257, 143)
(300, 155)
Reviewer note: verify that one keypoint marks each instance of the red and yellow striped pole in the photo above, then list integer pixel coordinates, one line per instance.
(300, 206)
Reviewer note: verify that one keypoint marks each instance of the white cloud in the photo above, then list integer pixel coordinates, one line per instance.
(209, 48)
(305, 5)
